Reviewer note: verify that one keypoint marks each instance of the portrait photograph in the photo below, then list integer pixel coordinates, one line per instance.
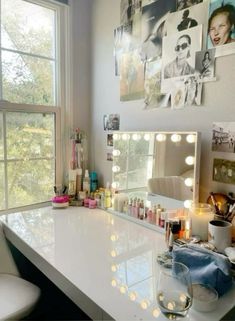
(193, 91)
(179, 55)
(183, 4)
(223, 137)
(189, 18)
(153, 27)
(205, 65)
(221, 27)
(152, 85)
(111, 122)
(110, 140)
(224, 171)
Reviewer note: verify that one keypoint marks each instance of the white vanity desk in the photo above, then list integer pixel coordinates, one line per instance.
(92, 255)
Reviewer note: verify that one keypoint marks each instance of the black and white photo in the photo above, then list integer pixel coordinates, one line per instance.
(223, 137)
(205, 64)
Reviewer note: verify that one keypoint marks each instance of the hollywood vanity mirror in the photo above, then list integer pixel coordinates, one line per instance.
(162, 167)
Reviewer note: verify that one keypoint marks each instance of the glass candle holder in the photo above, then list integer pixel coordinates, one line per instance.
(201, 214)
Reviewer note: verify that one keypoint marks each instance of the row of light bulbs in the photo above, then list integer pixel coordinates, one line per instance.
(133, 296)
(190, 138)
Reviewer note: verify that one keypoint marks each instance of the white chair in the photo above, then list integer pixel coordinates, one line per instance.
(18, 297)
(170, 186)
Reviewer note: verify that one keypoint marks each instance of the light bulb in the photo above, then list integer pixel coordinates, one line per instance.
(116, 152)
(114, 268)
(146, 137)
(115, 169)
(116, 136)
(189, 160)
(188, 182)
(123, 289)
(191, 138)
(175, 138)
(144, 304)
(113, 253)
(136, 137)
(114, 283)
(115, 185)
(161, 137)
(114, 238)
(187, 203)
(125, 137)
(156, 312)
(133, 296)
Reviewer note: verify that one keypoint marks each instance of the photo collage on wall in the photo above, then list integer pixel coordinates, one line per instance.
(223, 141)
(110, 122)
(166, 49)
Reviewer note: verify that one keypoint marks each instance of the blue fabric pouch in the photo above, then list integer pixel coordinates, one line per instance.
(206, 267)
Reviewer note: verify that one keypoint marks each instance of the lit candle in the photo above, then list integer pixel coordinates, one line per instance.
(201, 214)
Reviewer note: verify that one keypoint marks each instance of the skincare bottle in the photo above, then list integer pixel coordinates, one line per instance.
(107, 196)
(158, 215)
(86, 182)
(93, 181)
(141, 210)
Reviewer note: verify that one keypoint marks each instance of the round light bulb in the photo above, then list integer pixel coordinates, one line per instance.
(114, 283)
(161, 137)
(115, 185)
(188, 182)
(113, 238)
(191, 138)
(125, 137)
(133, 296)
(144, 304)
(136, 137)
(116, 152)
(114, 268)
(123, 289)
(175, 138)
(187, 203)
(115, 169)
(156, 312)
(116, 136)
(189, 160)
(146, 137)
(113, 253)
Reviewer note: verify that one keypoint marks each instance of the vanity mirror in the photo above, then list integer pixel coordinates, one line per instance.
(164, 164)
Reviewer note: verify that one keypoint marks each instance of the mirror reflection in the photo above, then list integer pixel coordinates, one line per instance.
(164, 164)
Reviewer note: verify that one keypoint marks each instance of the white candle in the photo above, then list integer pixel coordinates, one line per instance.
(201, 214)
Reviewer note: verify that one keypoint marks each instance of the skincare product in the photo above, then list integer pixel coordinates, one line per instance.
(86, 182)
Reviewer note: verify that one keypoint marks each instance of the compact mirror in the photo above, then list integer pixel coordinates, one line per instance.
(163, 164)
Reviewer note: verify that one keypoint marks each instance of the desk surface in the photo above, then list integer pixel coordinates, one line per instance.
(99, 260)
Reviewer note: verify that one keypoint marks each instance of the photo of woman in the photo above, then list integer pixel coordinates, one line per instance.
(221, 27)
(205, 62)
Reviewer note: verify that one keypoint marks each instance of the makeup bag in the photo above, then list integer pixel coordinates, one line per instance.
(206, 267)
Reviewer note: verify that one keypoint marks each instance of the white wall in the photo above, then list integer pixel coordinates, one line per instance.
(218, 100)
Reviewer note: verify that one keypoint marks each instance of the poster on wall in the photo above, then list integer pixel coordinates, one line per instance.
(179, 56)
(152, 86)
(205, 65)
(221, 27)
(223, 137)
(186, 93)
(131, 76)
(110, 140)
(128, 9)
(224, 171)
(153, 27)
(189, 18)
(183, 4)
(111, 122)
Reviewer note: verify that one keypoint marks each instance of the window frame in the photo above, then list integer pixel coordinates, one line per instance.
(62, 93)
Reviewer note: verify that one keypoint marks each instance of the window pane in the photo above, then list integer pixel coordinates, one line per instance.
(30, 182)
(1, 137)
(2, 190)
(27, 79)
(30, 135)
(27, 27)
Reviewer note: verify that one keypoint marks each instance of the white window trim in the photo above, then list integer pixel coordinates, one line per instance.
(63, 110)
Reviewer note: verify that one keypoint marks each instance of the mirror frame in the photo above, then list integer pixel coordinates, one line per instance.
(197, 152)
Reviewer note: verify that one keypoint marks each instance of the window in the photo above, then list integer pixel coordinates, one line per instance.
(30, 106)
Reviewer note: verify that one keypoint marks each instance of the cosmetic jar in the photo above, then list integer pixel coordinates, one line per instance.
(92, 203)
(204, 297)
(86, 202)
(60, 201)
